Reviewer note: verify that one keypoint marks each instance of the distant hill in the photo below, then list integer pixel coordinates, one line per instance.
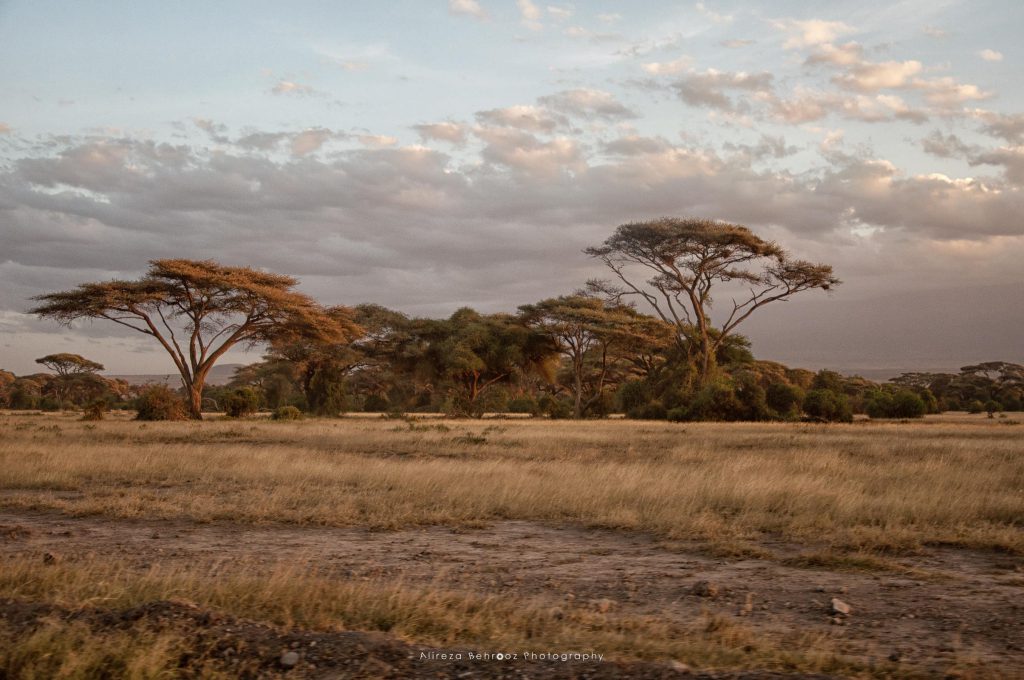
(218, 375)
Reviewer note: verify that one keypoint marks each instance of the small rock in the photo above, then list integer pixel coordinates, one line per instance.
(680, 667)
(49, 558)
(819, 589)
(289, 659)
(836, 621)
(557, 613)
(603, 605)
(840, 607)
(895, 657)
(705, 589)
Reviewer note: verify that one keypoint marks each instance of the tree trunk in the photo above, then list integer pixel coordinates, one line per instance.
(195, 402)
(578, 371)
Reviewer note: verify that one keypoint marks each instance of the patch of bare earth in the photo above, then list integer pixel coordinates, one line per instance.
(918, 614)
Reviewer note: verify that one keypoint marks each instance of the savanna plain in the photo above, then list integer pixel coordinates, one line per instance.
(401, 547)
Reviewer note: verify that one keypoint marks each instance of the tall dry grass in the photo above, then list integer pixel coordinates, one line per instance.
(862, 486)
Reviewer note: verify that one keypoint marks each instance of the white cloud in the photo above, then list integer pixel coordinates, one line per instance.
(990, 55)
(810, 32)
(467, 7)
(308, 141)
(935, 32)
(453, 133)
(657, 68)
(288, 87)
(530, 14)
(560, 13)
(377, 141)
(609, 17)
(871, 76)
(523, 116)
(712, 15)
(587, 103)
(5, 129)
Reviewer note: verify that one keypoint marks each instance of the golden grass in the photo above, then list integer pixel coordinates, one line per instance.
(290, 597)
(865, 486)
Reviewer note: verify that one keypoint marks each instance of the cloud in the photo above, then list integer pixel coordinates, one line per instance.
(935, 32)
(5, 129)
(609, 17)
(947, 92)
(636, 145)
(810, 32)
(530, 14)
(377, 141)
(708, 88)
(712, 15)
(288, 87)
(522, 152)
(588, 103)
(560, 13)
(990, 55)
(1007, 126)
(214, 130)
(668, 67)
(526, 117)
(735, 43)
(453, 133)
(467, 7)
(868, 76)
(945, 146)
(308, 141)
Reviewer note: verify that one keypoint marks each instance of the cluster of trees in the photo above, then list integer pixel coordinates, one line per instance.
(991, 386)
(74, 384)
(580, 355)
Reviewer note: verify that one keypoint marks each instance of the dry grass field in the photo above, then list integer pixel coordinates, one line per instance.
(212, 549)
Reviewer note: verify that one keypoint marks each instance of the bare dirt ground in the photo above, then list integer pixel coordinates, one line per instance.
(922, 612)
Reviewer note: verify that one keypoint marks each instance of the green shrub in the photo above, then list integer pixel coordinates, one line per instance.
(784, 399)
(992, 407)
(908, 404)
(286, 413)
(717, 401)
(554, 408)
(242, 402)
(524, 405)
(160, 402)
(975, 406)
(828, 406)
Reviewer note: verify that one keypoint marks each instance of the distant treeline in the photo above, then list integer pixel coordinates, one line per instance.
(473, 363)
(641, 342)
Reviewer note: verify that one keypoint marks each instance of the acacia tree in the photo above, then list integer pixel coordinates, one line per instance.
(197, 310)
(684, 260)
(64, 364)
(596, 337)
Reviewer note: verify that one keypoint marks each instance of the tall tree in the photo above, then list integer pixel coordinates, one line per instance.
(597, 338)
(64, 364)
(675, 264)
(197, 310)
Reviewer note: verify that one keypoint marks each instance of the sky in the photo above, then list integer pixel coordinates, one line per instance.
(431, 154)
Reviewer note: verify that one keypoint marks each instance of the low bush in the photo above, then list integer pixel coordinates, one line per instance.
(287, 413)
(828, 406)
(160, 402)
(242, 402)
